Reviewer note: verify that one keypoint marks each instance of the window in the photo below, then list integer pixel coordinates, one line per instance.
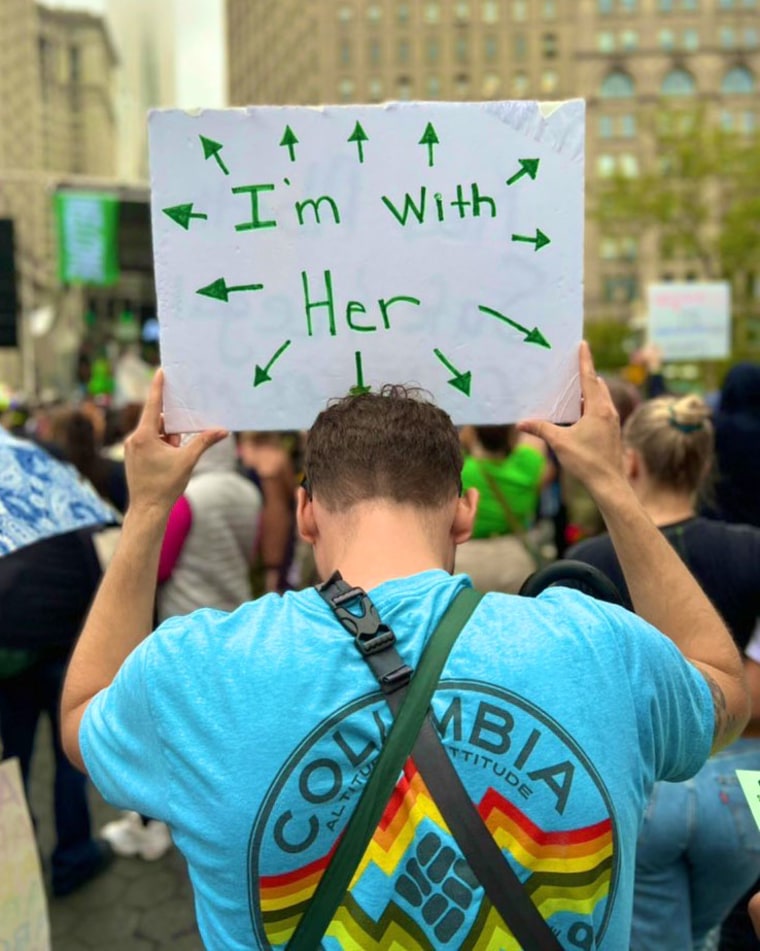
(748, 122)
(374, 12)
(666, 39)
(462, 10)
(491, 48)
(432, 12)
(605, 166)
(432, 50)
(74, 64)
(345, 12)
(628, 165)
(605, 42)
(402, 13)
(738, 81)
(665, 6)
(690, 4)
(690, 39)
(678, 83)
(375, 90)
(519, 85)
(549, 10)
(629, 40)
(346, 90)
(521, 46)
(606, 127)
(374, 52)
(404, 87)
(462, 86)
(617, 85)
(727, 37)
(628, 5)
(604, 6)
(519, 10)
(433, 87)
(549, 81)
(461, 48)
(491, 84)
(627, 126)
(750, 37)
(403, 51)
(621, 289)
(549, 45)
(490, 11)
(345, 52)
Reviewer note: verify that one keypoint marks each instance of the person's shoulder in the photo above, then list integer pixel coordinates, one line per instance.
(587, 547)
(729, 533)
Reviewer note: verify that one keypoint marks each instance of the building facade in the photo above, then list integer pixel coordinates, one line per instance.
(627, 58)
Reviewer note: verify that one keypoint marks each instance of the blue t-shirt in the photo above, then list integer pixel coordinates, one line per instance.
(252, 734)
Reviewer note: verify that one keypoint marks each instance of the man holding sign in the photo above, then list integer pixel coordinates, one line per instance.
(253, 734)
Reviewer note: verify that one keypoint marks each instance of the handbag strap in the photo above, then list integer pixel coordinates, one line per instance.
(375, 642)
(515, 525)
(334, 883)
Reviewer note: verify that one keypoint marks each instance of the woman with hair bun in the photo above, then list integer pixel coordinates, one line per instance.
(699, 847)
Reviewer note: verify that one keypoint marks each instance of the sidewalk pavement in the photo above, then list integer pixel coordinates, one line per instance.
(133, 906)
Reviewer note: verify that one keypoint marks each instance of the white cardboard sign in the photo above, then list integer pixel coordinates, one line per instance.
(302, 253)
(691, 321)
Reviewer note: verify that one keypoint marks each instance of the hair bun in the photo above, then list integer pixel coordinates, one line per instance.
(689, 414)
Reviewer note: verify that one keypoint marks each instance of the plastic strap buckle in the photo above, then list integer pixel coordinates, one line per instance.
(370, 634)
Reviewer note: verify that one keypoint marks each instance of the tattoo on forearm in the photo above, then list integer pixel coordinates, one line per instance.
(725, 722)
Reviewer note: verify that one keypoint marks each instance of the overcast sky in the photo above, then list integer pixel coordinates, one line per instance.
(201, 78)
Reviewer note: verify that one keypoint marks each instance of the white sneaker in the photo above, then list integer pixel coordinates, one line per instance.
(128, 836)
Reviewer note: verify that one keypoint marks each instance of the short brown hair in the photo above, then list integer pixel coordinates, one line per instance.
(395, 445)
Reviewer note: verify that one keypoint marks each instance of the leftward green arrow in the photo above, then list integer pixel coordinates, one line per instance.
(531, 336)
(360, 137)
(182, 214)
(359, 388)
(219, 289)
(290, 141)
(261, 374)
(461, 381)
(540, 241)
(429, 138)
(212, 149)
(528, 166)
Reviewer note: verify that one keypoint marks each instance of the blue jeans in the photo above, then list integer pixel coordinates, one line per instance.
(697, 853)
(23, 698)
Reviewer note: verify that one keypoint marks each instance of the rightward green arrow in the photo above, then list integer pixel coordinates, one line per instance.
(528, 166)
(360, 137)
(429, 138)
(461, 381)
(540, 241)
(212, 149)
(182, 214)
(359, 388)
(290, 141)
(219, 289)
(261, 374)
(531, 336)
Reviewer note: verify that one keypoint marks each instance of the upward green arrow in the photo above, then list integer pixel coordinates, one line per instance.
(429, 138)
(528, 166)
(531, 336)
(290, 141)
(360, 137)
(220, 290)
(182, 214)
(261, 375)
(461, 381)
(212, 149)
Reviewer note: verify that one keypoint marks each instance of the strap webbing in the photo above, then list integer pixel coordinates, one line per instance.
(362, 825)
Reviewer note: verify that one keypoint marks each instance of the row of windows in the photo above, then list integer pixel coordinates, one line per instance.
(671, 6)
(687, 39)
(463, 11)
(738, 81)
(461, 49)
(491, 86)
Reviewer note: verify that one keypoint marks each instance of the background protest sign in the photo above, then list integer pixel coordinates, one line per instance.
(303, 252)
(690, 321)
(23, 909)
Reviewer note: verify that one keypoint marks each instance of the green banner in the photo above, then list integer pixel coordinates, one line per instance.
(86, 225)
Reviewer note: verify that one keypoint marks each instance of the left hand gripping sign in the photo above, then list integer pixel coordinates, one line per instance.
(305, 253)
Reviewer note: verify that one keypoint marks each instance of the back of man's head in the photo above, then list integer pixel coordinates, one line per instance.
(395, 446)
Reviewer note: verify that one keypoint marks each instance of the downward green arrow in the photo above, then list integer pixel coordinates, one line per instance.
(219, 290)
(540, 241)
(429, 138)
(461, 381)
(528, 166)
(261, 375)
(360, 388)
(212, 149)
(182, 214)
(290, 141)
(360, 137)
(531, 336)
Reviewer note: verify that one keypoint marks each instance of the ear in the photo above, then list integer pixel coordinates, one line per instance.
(305, 519)
(464, 516)
(631, 464)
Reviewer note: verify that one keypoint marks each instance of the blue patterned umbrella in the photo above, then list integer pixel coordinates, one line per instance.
(41, 497)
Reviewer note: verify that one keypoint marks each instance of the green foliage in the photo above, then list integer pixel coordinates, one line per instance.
(611, 343)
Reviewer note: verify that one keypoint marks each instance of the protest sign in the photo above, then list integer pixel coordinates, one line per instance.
(690, 321)
(749, 780)
(302, 253)
(23, 909)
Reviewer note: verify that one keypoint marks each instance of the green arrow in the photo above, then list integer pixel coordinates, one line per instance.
(531, 336)
(289, 139)
(360, 137)
(219, 290)
(262, 374)
(429, 138)
(462, 381)
(529, 166)
(182, 214)
(360, 388)
(540, 240)
(212, 149)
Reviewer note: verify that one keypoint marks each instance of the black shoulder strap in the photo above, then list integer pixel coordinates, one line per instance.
(413, 725)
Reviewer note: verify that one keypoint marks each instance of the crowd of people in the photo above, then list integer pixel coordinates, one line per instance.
(247, 523)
